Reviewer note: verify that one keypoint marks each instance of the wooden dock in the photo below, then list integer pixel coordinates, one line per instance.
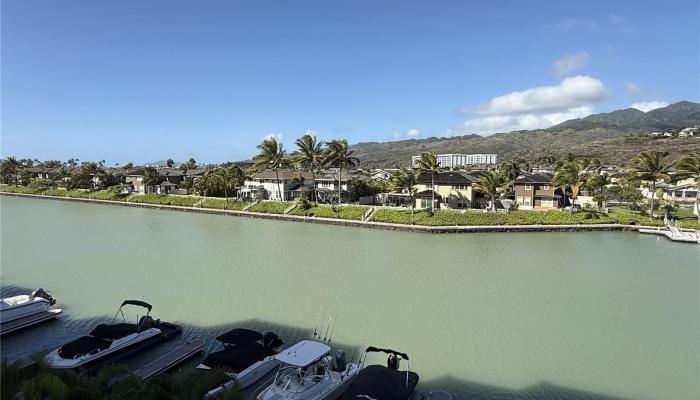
(170, 360)
(26, 322)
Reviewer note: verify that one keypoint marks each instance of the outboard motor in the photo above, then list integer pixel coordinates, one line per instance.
(392, 362)
(340, 362)
(146, 322)
(271, 340)
(41, 293)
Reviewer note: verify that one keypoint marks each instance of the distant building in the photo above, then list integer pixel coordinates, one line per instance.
(455, 160)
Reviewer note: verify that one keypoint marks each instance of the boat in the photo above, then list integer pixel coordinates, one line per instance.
(108, 341)
(22, 306)
(384, 382)
(246, 357)
(307, 371)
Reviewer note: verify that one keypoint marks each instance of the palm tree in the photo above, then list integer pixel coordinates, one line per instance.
(271, 156)
(648, 166)
(597, 183)
(405, 179)
(309, 155)
(428, 164)
(689, 167)
(228, 178)
(9, 169)
(571, 174)
(338, 155)
(492, 185)
(512, 170)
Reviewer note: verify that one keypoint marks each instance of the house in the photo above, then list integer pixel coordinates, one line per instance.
(43, 172)
(327, 186)
(452, 190)
(273, 185)
(133, 179)
(535, 191)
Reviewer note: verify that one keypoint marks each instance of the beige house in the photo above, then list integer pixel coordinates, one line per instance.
(453, 190)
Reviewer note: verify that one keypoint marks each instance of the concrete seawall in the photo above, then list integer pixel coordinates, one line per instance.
(352, 223)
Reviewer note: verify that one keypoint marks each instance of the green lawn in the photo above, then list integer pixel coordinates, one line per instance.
(344, 212)
(223, 204)
(164, 199)
(472, 218)
(271, 207)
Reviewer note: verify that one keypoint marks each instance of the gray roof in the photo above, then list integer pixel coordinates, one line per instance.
(535, 178)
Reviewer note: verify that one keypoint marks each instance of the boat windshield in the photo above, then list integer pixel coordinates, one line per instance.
(293, 379)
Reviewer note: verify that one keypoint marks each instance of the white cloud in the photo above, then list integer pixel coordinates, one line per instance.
(570, 63)
(515, 122)
(276, 136)
(648, 105)
(409, 134)
(571, 93)
(568, 24)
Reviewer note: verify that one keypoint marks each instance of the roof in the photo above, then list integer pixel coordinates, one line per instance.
(427, 193)
(449, 178)
(284, 174)
(303, 353)
(535, 178)
(166, 183)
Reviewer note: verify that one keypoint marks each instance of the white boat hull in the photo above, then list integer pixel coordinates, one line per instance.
(13, 308)
(326, 389)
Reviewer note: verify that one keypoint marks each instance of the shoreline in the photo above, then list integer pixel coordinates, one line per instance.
(354, 223)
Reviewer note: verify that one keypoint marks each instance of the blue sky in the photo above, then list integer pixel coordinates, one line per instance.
(147, 80)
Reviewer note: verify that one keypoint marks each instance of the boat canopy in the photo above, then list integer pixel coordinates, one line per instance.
(303, 353)
(138, 303)
(380, 382)
(371, 349)
(240, 336)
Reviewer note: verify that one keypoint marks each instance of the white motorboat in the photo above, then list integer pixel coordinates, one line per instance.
(16, 307)
(109, 340)
(246, 357)
(308, 372)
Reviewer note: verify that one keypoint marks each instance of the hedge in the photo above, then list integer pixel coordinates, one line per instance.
(344, 212)
(451, 218)
(164, 199)
(223, 204)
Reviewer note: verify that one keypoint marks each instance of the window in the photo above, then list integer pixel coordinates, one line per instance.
(519, 200)
(545, 187)
(429, 185)
(459, 187)
(528, 201)
(528, 186)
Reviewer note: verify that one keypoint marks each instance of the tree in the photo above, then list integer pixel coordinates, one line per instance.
(271, 156)
(689, 167)
(170, 162)
(189, 164)
(8, 170)
(428, 164)
(151, 177)
(309, 155)
(227, 178)
(491, 185)
(598, 183)
(338, 155)
(571, 174)
(648, 166)
(512, 170)
(405, 179)
(129, 165)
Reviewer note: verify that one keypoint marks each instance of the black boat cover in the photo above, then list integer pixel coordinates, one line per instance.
(240, 336)
(238, 358)
(378, 382)
(83, 345)
(113, 331)
(387, 351)
(138, 303)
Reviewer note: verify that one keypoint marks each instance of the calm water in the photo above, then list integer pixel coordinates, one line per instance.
(492, 316)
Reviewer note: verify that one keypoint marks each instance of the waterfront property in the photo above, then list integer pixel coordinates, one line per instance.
(287, 184)
(451, 190)
(535, 191)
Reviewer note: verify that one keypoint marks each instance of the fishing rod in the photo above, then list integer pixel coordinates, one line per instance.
(352, 358)
(318, 316)
(330, 335)
(325, 336)
(320, 330)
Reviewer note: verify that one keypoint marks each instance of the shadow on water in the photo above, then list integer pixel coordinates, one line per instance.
(53, 334)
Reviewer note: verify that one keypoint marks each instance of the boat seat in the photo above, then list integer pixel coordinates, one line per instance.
(113, 331)
(83, 345)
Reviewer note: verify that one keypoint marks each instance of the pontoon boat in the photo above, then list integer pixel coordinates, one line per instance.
(384, 382)
(246, 357)
(308, 372)
(110, 340)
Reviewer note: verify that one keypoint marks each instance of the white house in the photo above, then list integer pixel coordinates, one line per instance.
(273, 185)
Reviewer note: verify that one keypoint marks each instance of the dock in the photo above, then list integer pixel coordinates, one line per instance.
(674, 234)
(171, 359)
(29, 321)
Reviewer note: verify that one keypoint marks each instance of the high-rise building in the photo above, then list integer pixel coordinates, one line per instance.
(454, 160)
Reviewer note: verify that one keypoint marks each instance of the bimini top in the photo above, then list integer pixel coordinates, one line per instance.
(381, 383)
(303, 353)
(138, 303)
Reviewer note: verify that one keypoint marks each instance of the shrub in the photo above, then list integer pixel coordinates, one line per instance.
(271, 207)
(469, 218)
(223, 204)
(164, 199)
(18, 189)
(343, 212)
(112, 193)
